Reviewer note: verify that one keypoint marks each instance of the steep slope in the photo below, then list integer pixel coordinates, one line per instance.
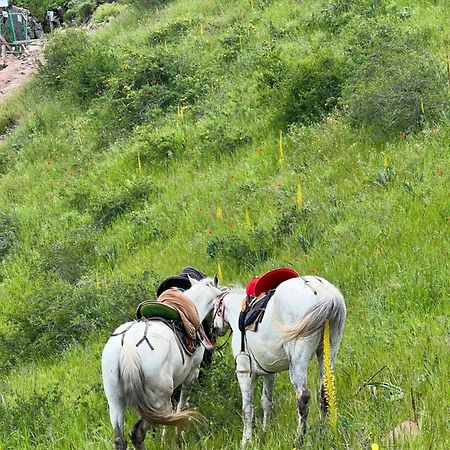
(319, 130)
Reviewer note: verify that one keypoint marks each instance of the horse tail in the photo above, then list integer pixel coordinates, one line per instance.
(328, 307)
(137, 396)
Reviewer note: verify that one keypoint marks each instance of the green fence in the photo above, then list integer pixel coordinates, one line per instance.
(13, 26)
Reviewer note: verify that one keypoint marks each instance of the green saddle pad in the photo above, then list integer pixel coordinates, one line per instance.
(151, 309)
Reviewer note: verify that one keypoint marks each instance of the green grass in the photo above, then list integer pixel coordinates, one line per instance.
(107, 188)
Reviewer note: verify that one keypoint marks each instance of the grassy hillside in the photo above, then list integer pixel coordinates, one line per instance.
(320, 129)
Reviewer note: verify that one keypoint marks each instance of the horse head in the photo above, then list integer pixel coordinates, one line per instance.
(203, 293)
(220, 325)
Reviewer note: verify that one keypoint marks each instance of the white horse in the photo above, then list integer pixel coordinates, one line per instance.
(288, 336)
(142, 364)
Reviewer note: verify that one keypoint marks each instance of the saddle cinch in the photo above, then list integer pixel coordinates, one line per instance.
(169, 315)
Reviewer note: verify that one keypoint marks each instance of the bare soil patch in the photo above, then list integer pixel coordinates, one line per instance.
(19, 69)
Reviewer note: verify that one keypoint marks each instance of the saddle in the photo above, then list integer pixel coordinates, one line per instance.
(181, 317)
(259, 291)
(253, 311)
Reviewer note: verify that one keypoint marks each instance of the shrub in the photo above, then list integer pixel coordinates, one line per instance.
(147, 85)
(312, 89)
(52, 319)
(300, 224)
(219, 137)
(160, 146)
(89, 71)
(271, 70)
(104, 213)
(395, 86)
(59, 51)
(169, 32)
(336, 14)
(80, 11)
(77, 64)
(243, 252)
(107, 11)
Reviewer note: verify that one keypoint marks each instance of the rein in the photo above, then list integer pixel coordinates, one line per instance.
(230, 332)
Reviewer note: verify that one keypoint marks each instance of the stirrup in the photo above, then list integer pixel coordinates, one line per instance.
(243, 363)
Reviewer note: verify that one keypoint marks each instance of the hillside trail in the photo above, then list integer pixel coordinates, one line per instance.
(19, 69)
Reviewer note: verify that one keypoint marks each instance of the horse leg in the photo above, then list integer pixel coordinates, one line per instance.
(266, 397)
(137, 434)
(300, 354)
(114, 394)
(186, 389)
(116, 415)
(246, 383)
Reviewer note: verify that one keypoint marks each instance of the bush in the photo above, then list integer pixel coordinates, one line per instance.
(219, 137)
(312, 90)
(79, 11)
(242, 252)
(75, 63)
(169, 32)
(336, 14)
(107, 11)
(160, 146)
(147, 85)
(104, 213)
(395, 86)
(52, 319)
(62, 46)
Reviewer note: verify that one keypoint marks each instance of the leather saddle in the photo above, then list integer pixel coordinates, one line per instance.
(169, 315)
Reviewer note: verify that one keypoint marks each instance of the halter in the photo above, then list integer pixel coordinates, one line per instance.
(220, 310)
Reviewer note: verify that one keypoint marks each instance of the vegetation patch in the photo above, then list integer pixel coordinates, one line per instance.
(169, 32)
(305, 93)
(107, 11)
(240, 251)
(31, 412)
(50, 321)
(7, 234)
(107, 211)
(72, 256)
(77, 64)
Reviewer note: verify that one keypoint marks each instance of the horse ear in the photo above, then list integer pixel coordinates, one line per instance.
(216, 280)
(192, 280)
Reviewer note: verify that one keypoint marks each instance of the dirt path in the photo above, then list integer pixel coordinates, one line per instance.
(19, 69)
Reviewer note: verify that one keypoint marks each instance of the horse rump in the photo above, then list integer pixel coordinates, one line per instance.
(136, 394)
(331, 308)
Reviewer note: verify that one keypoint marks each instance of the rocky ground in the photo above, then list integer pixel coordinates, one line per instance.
(19, 69)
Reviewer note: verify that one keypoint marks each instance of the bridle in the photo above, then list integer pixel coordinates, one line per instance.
(219, 311)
